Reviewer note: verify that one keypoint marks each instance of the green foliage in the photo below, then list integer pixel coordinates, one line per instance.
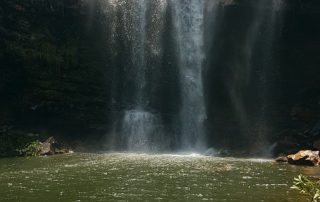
(31, 149)
(307, 187)
(10, 140)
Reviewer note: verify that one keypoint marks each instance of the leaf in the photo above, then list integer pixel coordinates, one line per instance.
(308, 187)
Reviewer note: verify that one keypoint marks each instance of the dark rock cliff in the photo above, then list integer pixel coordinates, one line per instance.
(57, 69)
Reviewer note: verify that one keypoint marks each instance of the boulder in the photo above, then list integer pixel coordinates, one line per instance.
(60, 151)
(48, 147)
(305, 157)
(281, 158)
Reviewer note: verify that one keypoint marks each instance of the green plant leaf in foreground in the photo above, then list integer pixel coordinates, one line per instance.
(307, 187)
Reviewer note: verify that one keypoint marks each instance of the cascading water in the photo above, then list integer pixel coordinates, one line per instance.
(189, 22)
(171, 58)
(138, 125)
(138, 129)
(138, 51)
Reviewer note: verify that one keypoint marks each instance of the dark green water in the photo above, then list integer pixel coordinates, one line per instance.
(142, 177)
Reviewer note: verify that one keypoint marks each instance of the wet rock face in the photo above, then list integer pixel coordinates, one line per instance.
(305, 157)
(52, 147)
(281, 159)
(48, 147)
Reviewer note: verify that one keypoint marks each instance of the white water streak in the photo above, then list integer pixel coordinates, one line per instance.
(189, 22)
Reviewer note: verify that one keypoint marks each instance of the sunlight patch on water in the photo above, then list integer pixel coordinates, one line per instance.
(128, 155)
(184, 155)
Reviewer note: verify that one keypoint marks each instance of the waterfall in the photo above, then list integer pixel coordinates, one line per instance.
(184, 68)
(138, 129)
(138, 124)
(189, 22)
(138, 51)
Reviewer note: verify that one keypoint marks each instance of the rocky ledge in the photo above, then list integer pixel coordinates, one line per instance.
(303, 157)
(50, 147)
